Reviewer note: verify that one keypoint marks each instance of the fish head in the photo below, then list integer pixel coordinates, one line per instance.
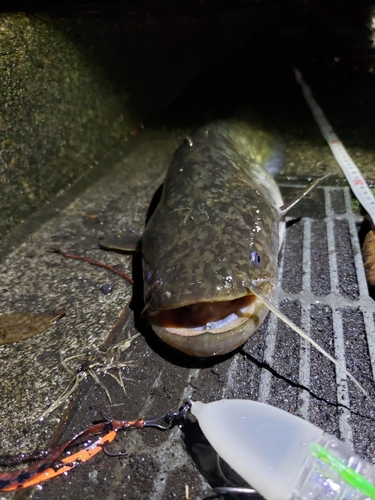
(196, 266)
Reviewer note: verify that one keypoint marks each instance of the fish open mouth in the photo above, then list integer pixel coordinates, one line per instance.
(213, 317)
(213, 328)
(210, 328)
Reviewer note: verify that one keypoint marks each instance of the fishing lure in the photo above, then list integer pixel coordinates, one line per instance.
(50, 464)
(281, 455)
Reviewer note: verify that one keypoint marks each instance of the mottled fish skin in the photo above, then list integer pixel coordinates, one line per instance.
(219, 206)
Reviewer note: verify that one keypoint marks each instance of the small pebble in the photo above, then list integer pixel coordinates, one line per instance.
(93, 476)
(106, 288)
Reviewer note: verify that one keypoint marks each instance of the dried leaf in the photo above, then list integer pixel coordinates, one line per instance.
(368, 251)
(21, 326)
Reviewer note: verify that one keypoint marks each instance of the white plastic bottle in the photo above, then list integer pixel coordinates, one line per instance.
(281, 455)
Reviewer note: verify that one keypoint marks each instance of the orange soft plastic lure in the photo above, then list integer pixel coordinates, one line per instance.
(49, 463)
(24, 479)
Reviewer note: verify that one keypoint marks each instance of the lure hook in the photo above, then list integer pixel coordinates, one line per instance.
(120, 454)
(163, 423)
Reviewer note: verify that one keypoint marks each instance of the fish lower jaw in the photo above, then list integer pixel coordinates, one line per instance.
(208, 344)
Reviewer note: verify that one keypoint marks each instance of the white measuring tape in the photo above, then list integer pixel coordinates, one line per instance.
(350, 169)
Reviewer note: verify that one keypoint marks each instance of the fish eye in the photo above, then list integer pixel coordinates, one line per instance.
(255, 258)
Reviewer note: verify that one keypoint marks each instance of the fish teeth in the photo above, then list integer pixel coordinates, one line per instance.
(222, 325)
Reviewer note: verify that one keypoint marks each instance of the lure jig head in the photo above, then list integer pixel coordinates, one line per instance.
(170, 420)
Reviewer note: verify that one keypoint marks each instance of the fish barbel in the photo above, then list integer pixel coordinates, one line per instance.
(217, 227)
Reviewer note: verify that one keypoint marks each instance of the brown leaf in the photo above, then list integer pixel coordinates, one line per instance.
(368, 251)
(21, 326)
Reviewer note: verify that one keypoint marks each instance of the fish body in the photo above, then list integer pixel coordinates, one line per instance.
(217, 227)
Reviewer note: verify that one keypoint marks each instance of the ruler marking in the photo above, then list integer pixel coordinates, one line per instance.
(347, 165)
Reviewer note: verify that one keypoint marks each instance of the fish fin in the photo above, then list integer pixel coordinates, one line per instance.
(287, 206)
(128, 243)
(302, 334)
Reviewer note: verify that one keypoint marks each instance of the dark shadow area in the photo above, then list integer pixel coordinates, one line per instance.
(258, 77)
(205, 59)
(215, 470)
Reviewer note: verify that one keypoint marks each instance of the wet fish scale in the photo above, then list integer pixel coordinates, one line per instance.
(218, 205)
